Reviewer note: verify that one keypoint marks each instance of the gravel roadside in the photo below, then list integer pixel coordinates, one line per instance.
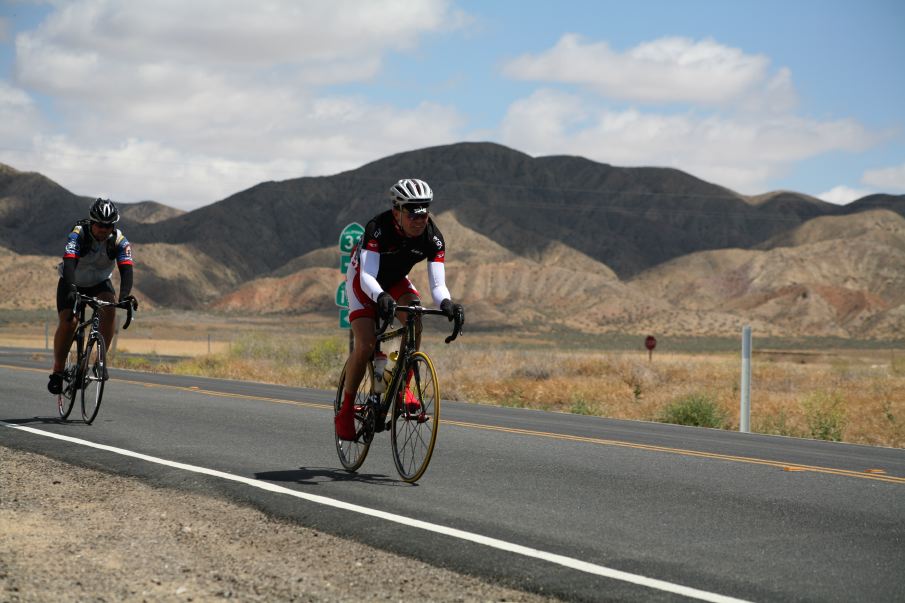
(73, 534)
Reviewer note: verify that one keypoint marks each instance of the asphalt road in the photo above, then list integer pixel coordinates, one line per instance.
(580, 507)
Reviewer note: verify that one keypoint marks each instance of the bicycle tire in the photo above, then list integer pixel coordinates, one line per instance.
(94, 375)
(352, 454)
(66, 398)
(414, 434)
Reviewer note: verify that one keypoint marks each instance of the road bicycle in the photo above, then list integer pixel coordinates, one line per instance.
(410, 399)
(86, 365)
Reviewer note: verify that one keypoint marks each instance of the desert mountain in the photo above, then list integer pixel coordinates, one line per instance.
(36, 213)
(147, 212)
(840, 276)
(591, 245)
(629, 219)
(502, 288)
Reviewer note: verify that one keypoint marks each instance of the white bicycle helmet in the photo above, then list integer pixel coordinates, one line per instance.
(411, 190)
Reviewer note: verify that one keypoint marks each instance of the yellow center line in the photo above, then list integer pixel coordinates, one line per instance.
(681, 451)
(871, 474)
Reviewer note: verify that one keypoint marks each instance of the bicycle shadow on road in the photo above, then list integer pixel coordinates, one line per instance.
(313, 476)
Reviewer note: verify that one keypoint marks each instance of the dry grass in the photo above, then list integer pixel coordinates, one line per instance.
(853, 395)
(849, 400)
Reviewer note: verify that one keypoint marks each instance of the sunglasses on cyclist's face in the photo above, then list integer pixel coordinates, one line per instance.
(103, 226)
(415, 211)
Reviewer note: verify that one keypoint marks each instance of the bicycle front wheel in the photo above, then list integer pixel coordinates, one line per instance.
(66, 398)
(94, 375)
(353, 454)
(416, 417)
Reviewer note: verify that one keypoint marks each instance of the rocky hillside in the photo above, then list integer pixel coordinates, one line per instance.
(532, 241)
(841, 276)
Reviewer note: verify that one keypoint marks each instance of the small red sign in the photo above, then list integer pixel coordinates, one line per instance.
(650, 343)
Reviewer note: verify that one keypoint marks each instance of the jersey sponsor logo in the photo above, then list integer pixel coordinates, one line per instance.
(441, 255)
(372, 245)
(438, 242)
(416, 252)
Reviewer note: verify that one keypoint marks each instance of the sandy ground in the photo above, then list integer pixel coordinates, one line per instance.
(74, 534)
(135, 345)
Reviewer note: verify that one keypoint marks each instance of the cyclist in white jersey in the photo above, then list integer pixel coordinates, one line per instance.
(377, 279)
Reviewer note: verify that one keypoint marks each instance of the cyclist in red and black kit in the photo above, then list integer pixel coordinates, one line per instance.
(377, 280)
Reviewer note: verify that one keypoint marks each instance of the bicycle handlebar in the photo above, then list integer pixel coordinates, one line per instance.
(130, 305)
(382, 324)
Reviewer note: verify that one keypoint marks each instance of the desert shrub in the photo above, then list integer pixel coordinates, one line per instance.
(326, 354)
(138, 363)
(536, 372)
(778, 424)
(580, 406)
(698, 410)
(897, 364)
(260, 346)
(825, 415)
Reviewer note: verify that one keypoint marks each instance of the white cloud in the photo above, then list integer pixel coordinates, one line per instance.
(235, 32)
(842, 195)
(187, 177)
(666, 70)
(887, 179)
(741, 153)
(188, 102)
(19, 118)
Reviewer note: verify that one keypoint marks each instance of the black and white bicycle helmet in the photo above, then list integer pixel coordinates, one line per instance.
(411, 190)
(104, 211)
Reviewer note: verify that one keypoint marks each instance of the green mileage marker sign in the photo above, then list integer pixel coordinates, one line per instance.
(349, 236)
(343, 302)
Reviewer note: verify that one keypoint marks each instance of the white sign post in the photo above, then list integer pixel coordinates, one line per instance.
(744, 421)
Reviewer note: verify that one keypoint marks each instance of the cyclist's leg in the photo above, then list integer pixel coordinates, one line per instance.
(363, 329)
(405, 294)
(106, 292)
(62, 339)
(408, 298)
(362, 317)
(356, 366)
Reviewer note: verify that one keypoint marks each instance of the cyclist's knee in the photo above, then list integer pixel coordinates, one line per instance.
(363, 349)
(67, 320)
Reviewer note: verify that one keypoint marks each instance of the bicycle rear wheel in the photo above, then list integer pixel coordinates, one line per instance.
(353, 454)
(66, 398)
(415, 419)
(94, 375)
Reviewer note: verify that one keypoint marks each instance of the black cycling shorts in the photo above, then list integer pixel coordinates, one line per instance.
(93, 291)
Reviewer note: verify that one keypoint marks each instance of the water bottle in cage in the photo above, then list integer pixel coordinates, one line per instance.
(391, 363)
(380, 362)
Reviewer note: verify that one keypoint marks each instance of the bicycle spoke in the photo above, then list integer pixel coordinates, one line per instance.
(414, 434)
(94, 372)
(352, 454)
(66, 398)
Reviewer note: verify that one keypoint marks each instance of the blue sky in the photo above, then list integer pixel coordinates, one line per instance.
(186, 102)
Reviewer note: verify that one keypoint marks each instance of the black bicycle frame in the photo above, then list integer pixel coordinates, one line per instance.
(406, 349)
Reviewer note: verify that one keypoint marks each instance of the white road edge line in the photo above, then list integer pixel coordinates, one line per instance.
(495, 543)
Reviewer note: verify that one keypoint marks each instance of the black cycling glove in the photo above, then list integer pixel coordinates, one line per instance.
(130, 298)
(453, 311)
(386, 306)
